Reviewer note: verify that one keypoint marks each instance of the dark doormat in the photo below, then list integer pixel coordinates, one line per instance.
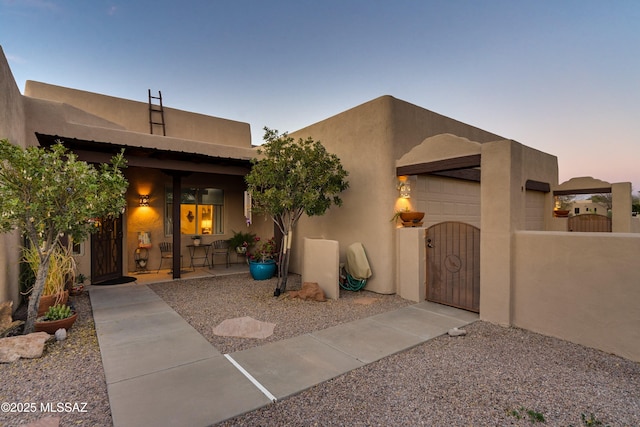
(117, 281)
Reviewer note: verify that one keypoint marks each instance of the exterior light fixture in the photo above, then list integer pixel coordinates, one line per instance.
(144, 200)
(404, 187)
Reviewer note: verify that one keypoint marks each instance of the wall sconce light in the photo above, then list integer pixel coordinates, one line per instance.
(404, 187)
(144, 200)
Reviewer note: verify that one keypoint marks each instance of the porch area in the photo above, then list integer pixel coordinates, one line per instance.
(164, 275)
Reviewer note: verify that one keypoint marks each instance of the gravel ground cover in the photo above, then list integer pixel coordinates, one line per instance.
(206, 303)
(494, 376)
(69, 371)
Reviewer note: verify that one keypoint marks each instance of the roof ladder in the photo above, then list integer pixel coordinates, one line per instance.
(156, 113)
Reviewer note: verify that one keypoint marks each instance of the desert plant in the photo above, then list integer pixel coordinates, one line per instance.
(396, 216)
(62, 268)
(534, 416)
(591, 420)
(294, 178)
(58, 312)
(48, 193)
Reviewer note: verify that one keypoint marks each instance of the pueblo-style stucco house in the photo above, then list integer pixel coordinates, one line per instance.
(489, 241)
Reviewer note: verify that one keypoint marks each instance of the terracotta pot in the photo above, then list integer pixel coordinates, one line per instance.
(51, 326)
(411, 216)
(561, 213)
(47, 301)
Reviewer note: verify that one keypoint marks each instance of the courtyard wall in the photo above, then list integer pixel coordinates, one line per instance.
(580, 287)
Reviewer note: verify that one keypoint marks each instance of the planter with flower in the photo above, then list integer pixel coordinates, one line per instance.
(242, 242)
(262, 261)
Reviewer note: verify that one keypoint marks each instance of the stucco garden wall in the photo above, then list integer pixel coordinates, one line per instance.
(581, 287)
(11, 128)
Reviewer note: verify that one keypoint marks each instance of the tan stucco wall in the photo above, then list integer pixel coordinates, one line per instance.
(321, 265)
(134, 116)
(361, 138)
(621, 207)
(581, 287)
(369, 139)
(506, 167)
(439, 147)
(11, 128)
(411, 263)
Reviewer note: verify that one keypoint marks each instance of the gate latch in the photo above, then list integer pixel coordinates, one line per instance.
(429, 245)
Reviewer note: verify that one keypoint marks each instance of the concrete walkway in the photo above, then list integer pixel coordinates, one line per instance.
(161, 371)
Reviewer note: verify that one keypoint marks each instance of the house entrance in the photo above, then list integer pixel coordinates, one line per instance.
(453, 265)
(106, 250)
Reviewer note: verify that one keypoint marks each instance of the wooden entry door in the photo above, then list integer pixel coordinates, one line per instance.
(453, 265)
(106, 250)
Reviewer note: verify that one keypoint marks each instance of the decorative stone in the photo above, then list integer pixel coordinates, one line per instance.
(455, 332)
(5, 315)
(61, 334)
(244, 327)
(309, 291)
(26, 346)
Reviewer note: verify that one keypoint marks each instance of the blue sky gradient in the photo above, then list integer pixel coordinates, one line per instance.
(559, 76)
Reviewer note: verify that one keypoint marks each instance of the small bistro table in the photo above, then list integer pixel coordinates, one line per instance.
(204, 256)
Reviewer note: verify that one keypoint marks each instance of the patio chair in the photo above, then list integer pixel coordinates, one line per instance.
(166, 252)
(220, 247)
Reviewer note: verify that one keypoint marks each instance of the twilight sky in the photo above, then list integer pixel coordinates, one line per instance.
(559, 76)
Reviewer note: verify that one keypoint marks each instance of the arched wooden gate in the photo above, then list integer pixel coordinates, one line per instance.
(453, 265)
(590, 223)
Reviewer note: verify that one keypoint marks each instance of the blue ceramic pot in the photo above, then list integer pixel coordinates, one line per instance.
(262, 270)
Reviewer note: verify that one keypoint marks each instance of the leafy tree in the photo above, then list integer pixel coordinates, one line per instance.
(605, 199)
(293, 178)
(564, 202)
(48, 193)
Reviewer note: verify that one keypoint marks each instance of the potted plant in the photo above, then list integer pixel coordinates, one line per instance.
(408, 218)
(262, 262)
(62, 269)
(58, 316)
(78, 287)
(196, 240)
(242, 242)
